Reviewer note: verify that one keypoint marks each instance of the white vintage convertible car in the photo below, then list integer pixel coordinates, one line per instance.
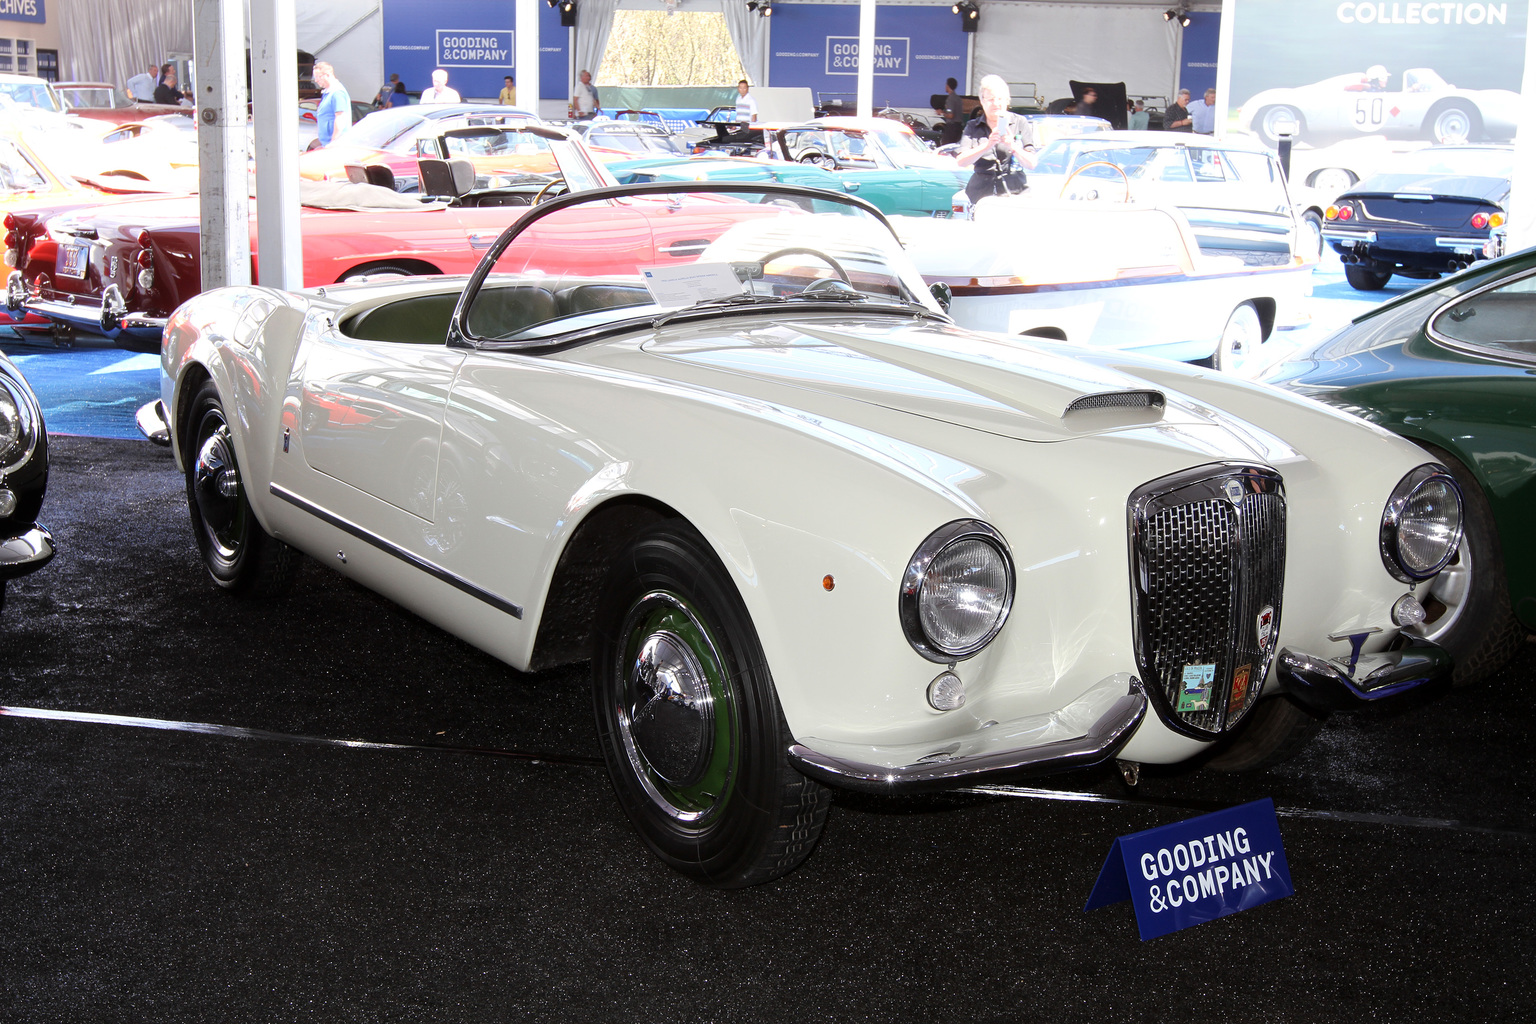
(719, 440)
(1105, 275)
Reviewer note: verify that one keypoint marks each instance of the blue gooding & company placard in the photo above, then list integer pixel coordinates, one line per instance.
(1196, 870)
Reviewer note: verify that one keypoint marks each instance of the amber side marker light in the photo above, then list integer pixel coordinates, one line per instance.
(827, 582)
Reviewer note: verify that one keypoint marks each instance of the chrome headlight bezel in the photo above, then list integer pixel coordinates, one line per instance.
(910, 601)
(1392, 517)
(19, 397)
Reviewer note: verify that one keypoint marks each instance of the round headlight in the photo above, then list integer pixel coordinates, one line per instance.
(10, 418)
(957, 590)
(1421, 525)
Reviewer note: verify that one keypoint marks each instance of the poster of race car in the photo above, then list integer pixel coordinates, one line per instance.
(1324, 71)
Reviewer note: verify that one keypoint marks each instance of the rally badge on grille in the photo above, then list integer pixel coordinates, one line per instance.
(1265, 626)
(1239, 696)
(1195, 693)
(1234, 490)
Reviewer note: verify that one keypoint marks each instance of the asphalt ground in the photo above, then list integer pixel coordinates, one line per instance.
(325, 808)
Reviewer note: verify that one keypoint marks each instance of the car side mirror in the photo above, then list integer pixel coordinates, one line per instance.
(942, 294)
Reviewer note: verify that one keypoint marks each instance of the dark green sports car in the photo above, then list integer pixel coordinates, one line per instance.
(1452, 366)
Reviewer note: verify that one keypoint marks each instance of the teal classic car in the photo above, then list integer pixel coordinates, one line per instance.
(877, 159)
(1452, 366)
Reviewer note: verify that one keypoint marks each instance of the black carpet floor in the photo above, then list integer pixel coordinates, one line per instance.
(150, 875)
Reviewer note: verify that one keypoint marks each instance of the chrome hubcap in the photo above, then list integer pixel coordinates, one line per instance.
(674, 715)
(671, 713)
(1447, 596)
(216, 487)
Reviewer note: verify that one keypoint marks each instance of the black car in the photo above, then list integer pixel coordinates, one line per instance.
(1428, 216)
(25, 544)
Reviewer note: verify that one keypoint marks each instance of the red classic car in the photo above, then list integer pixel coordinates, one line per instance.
(122, 269)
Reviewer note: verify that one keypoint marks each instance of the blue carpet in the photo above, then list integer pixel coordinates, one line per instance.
(91, 390)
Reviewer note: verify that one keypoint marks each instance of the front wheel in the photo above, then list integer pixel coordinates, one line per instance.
(1364, 279)
(1454, 124)
(689, 722)
(1309, 242)
(1467, 605)
(240, 556)
(1276, 730)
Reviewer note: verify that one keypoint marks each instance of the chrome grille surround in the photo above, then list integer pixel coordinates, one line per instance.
(1207, 571)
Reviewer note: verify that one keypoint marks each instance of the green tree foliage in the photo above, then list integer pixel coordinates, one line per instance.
(657, 48)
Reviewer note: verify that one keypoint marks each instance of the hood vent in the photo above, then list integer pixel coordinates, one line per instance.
(1106, 400)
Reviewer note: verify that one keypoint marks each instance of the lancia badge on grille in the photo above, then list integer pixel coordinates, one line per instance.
(1265, 626)
(1234, 490)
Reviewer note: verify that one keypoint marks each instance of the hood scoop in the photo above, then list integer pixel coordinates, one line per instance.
(1115, 407)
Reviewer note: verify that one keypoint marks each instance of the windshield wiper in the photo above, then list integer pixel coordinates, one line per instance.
(829, 295)
(721, 303)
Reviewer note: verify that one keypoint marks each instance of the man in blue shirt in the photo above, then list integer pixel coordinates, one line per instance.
(335, 111)
(1202, 114)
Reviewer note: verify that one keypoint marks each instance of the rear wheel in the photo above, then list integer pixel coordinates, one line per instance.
(1364, 279)
(1276, 730)
(240, 556)
(1240, 339)
(368, 271)
(689, 722)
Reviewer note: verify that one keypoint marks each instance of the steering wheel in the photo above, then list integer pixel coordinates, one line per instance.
(1124, 181)
(837, 268)
(544, 193)
(819, 160)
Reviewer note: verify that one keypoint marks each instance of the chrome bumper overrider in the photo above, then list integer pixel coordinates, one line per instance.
(25, 553)
(1102, 739)
(1341, 683)
(95, 317)
(1336, 235)
(153, 424)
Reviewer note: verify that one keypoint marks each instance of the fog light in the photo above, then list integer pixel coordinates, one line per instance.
(8, 507)
(946, 692)
(1408, 611)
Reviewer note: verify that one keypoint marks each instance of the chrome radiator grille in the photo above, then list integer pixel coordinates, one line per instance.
(1208, 566)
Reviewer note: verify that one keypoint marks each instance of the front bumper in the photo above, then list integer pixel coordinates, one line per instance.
(1099, 742)
(153, 423)
(1345, 683)
(26, 552)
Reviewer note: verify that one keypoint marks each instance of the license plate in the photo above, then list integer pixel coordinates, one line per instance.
(72, 260)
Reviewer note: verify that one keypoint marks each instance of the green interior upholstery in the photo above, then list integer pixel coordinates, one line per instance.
(498, 312)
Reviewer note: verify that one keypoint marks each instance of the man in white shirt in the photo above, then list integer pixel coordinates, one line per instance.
(440, 93)
(746, 105)
(142, 86)
(584, 101)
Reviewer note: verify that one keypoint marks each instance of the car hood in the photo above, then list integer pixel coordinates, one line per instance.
(1488, 190)
(941, 373)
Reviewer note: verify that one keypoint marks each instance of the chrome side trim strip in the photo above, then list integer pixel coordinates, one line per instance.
(389, 548)
(1102, 740)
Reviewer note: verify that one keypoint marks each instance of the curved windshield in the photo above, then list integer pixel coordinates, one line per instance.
(682, 251)
(30, 94)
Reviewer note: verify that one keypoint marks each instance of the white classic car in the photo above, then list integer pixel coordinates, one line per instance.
(719, 440)
(1423, 105)
(1232, 191)
(1105, 275)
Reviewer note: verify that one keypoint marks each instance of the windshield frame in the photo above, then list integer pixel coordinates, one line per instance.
(460, 337)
